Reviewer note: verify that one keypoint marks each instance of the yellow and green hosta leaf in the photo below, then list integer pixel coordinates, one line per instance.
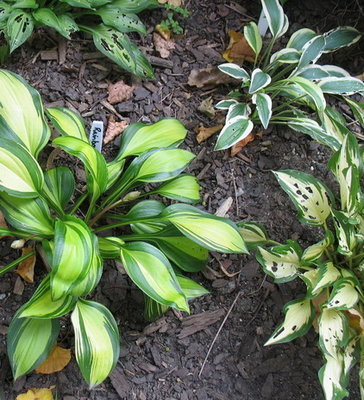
(327, 275)
(315, 251)
(299, 315)
(281, 262)
(21, 175)
(253, 234)
(190, 288)
(97, 340)
(309, 195)
(310, 278)
(114, 170)
(151, 271)
(343, 295)
(67, 122)
(21, 100)
(345, 232)
(29, 342)
(331, 377)
(358, 110)
(110, 246)
(252, 36)
(153, 309)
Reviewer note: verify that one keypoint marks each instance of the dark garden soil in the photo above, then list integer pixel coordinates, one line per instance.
(163, 360)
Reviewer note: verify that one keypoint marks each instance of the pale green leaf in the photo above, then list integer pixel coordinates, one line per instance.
(252, 36)
(19, 27)
(259, 80)
(234, 70)
(343, 296)
(234, 131)
(264, 108)
(184, 188)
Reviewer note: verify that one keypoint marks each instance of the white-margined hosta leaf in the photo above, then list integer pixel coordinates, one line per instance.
(345, 85)
(139, 138)
(312, 72)
(299, 315)
(281, 262)
(211, 232)
(67, 122)
(237, 110)
(358, 110)
(312, 90)
(315, 251)
(331, 377)
(311, 51)
(97, 340)
(334, 70)
(28, 215)
(334, 129)
(345, 232)
(235, 130)
(300, 38)
(29, 127)
(225, 104)
(253, 234)
(327, 275)
(41, 304)
(234, 70)
(29, 342)
(308, 194)
(276, 19)
(118, 19)
(343, 295)
(252, 36)
(19, 27)
(259, 80)
(151, 271)
(190, 288)
(264, 107)
(286, 56)
(21, 175)
(340, 37)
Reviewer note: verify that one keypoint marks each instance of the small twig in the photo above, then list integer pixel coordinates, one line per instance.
(218, 333)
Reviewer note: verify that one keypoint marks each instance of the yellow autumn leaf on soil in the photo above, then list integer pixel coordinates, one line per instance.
(26, 267)
(238, 49)
(37, 394)
(56, 361)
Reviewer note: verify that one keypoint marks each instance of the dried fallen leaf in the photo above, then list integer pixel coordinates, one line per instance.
(57, 360)
(37, 394)
(176, 3)
(162, 45)
(241, 144)
(207, 107)
(26, 267)
(114, 129)
(238, 49)
(3, 223)
(209, 76)
(204, 133)
(119, 92)
(165, 33)
(356, 320)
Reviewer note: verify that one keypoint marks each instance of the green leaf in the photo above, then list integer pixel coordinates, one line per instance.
(153, 309)
(19, 27)
(357, 109)
(29, 342)
(235, 130)
(259, 80)
(234, 70)
(252, 36)
(118, 19)
(264, 107)
(46, 17)
(184, 188)
(345, 233)
(225, 104)
(21, 175)
(327, 275)
(281, 262)
(299, 315)
(237, 110)
(253, 234)
(315, 251)
(5, 11)
(114, 170)
(311, 51)
(308, 194)
(190, 288)
(67, 122)
(331, 376)
(312, 90)
(345, 85)
(20, 99)
(340, 37)
(25, 4)
(97, 341)
(110, 247)
(312, 72)
(286, 56)
(343, 296)
(135, 6)
(276, 19)
(300, 38)
(150, 270)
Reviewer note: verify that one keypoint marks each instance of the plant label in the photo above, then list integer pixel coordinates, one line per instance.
(97, 134)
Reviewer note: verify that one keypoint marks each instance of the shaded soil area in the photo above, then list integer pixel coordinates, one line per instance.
(163, 360)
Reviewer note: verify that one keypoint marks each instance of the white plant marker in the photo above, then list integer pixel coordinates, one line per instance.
(97, 134)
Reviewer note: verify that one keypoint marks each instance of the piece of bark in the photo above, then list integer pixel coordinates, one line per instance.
(199, 322)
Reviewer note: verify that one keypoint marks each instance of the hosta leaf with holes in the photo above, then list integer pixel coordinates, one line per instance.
(309, 195)
(300, 38)
(78, 3)
(41, 304)
(67, 122)
(118, 19)
(234, 70)
(234, 131)
(286, 56)
(211, 232)
(29, 127)
(340, 37)
(29, 342)
(21, 175)
(5, 11)
(97, 340)
(312, 90)
(29, 215)
(343, 296)
(151, 271)
(259, 80)
(327, 275)
(276, 19)
(139, 138)
(19, 27)
(46, 17)
(357, 109)
(351, 354)
(264, 107)
(299, 315)
(252, 36)
(59, 187)
(315, 251)
(311, 51)
(135, 6)
(281, 262)
(253, 234)
(331, 377)
(344, 85)
(345, 232)
(310, 279)
(190, 288)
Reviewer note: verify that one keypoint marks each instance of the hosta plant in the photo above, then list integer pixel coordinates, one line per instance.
(285, 87)
(332, 269)
(108, 21)
(73, 232)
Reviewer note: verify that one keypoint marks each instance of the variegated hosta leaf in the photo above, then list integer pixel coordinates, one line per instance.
(21, 175)
(311, 51)
(345, 85)
(310, 279)
(276, 19)
(253, 234)
(299, 315)
(28, 215)
(29, 127)
(114, 170)
(97, 340)
(190, 288)
(252, 36)
(29, 342)
(351, 354)
(340, 37)
(226, 104)
(315, 251)
(308, 194)
(312, 72)
(110, 246)
(281, 262)
(264, 108)
(67, 122)
(152, 309)
(211, 232)
(145, 209)
(312, 90)
(139, 138)
(259, 80)
(286, 56)
(331, 378)
(237, 110)
(300, 38)
(345, 232)
(19, 27)
(42, 306)
(327, 275)
(343, 296)
(358, 110)
(151, 271)
(235, 130)
(234, 70)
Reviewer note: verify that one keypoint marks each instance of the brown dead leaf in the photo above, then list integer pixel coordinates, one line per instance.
(204, 133)
(209, 76)
(165, 33)
(162, 45)
(37, 394)
(241, 144)
(356, 320)
(207, 107)
(238, 49)
(176, 3)
(3, 223)
(114, 129)
(119, 92)
(57, 360)
(26, 267)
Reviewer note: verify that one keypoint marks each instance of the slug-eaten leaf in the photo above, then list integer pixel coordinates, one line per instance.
(253, 234)
(331, 378)
(327, 275)
(343, 296)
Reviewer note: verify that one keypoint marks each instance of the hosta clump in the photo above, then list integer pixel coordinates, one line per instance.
(287, 86)
(332, 269)
(155, 243)
(108, 21)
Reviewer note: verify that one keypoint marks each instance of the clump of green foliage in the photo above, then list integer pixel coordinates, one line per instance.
(171, 23)
(332, 269)
(108, 21)
(155, 243)
(287, 86)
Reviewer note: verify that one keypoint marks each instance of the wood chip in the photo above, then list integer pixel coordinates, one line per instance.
(19, 286)
(120, 382)
(225, 207)
(199, 322)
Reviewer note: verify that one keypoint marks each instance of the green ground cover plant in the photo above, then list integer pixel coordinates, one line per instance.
(156, 243)
(108, 21)
(171, 23)
(287, 86)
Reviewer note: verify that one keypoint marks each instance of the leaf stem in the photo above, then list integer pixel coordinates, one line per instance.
(14, 263)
